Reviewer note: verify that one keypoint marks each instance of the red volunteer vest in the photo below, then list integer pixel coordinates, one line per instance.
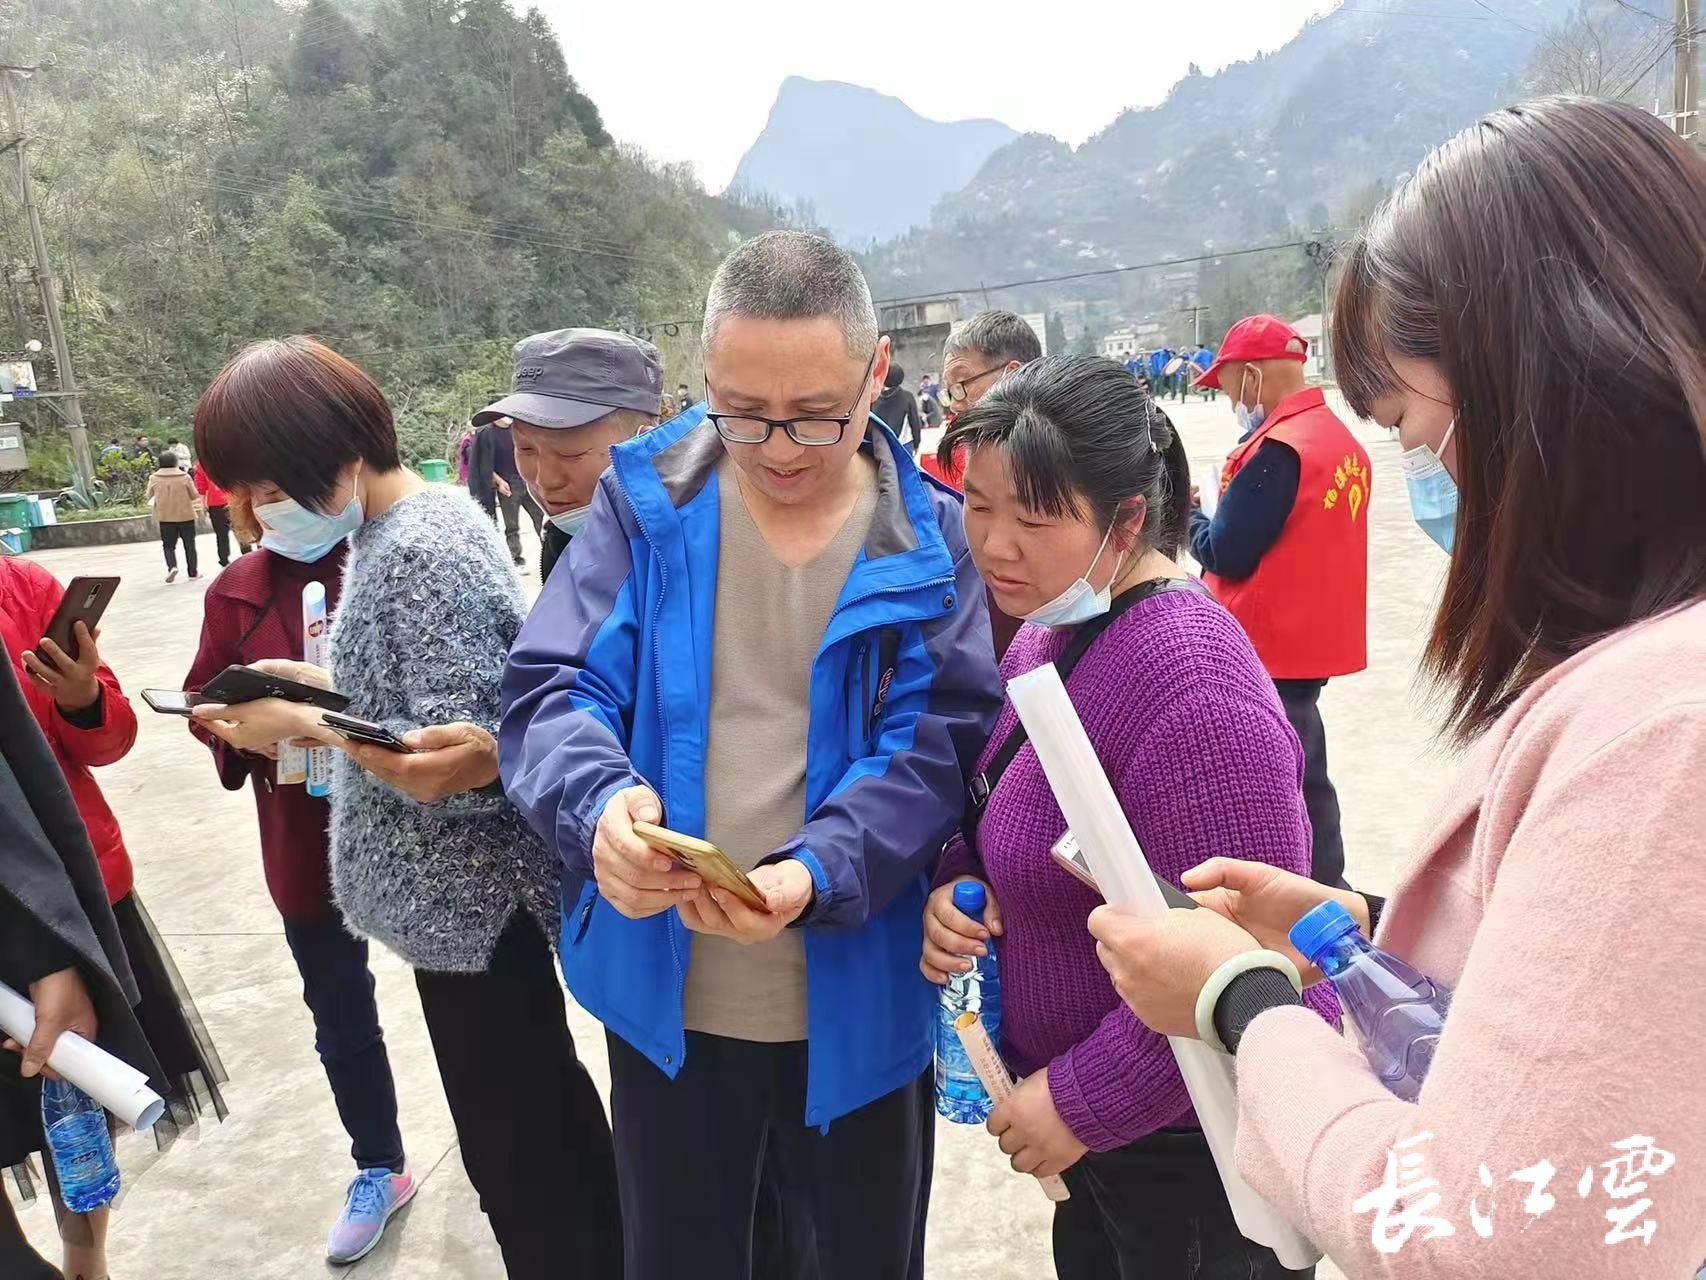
(1305, 607)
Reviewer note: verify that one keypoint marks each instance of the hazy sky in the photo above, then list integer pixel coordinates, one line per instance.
(694, 81)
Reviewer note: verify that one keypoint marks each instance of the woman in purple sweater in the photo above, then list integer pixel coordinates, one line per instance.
(1077, 491)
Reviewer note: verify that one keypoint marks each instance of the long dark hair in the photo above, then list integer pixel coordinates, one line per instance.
(1081, 436)
(1552, 260)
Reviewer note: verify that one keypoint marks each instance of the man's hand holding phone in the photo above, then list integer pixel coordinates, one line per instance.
(71, 682)
(787, 888)
(635, 878)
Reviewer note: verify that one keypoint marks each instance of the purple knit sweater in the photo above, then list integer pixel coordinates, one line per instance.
(1188, 726)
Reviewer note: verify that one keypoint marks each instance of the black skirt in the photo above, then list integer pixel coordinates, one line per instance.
(175, 1032)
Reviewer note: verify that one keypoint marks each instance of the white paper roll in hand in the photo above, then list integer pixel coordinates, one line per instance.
(116, 1085)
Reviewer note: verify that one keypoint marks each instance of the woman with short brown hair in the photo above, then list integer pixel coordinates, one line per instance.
(426, 853)
(1529, 313)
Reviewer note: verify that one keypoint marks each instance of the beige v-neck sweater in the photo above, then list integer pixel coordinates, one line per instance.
(769, 621)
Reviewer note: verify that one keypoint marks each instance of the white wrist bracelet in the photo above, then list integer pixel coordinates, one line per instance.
(1222, 977)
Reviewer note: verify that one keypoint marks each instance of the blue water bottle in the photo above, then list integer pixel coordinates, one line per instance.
(960, 1095)
(80, 1145)
(1398, 1012)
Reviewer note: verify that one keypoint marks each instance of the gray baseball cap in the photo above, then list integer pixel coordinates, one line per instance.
(570, 377)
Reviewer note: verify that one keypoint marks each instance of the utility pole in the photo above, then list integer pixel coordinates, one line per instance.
(1195, 311)
(1685, 82)
(71, 408)
(1320, 254)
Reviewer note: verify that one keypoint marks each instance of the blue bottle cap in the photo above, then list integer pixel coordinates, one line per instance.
(969, 898)
(1319, 928)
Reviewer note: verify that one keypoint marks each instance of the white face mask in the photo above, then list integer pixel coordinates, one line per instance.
(1080, 601)
(1250, 417)
(572, 522)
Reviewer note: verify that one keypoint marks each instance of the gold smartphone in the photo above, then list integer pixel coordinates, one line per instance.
(705, 860)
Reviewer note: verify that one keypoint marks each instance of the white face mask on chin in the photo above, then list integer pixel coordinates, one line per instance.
(1080, 601)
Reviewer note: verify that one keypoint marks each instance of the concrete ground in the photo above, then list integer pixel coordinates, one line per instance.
(253, 1197)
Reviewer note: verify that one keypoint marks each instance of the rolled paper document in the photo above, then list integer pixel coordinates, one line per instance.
(316, 646)
(1093, 813)
(116, 1085)
(997, 1083)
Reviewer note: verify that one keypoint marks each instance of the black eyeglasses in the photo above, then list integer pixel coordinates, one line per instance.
(957, 390)
(815, 433)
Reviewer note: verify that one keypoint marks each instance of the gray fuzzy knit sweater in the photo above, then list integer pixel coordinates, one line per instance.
(429, 609)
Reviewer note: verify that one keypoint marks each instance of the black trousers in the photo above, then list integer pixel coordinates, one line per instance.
(518, 500)
(1155, 1210)
(174, 531)
(338, 989)
(723, 1180)
(220, 519)
(534, 1136)
(1302, 701)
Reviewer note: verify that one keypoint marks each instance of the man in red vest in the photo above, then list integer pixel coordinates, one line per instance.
(1286, 550)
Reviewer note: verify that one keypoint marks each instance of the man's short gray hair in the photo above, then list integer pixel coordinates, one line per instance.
(996, 336)
(790, 275)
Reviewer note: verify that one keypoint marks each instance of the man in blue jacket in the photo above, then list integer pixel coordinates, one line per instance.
(770, 635)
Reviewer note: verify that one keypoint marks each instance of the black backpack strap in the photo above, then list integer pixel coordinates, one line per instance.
(983, 784)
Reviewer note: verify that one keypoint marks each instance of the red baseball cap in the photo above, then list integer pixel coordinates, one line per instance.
(1256, 338)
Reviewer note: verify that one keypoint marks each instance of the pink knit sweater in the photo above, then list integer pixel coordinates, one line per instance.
(1192, 736)
(1560, 895)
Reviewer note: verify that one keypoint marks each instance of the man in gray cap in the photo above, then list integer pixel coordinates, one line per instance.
(576, 393)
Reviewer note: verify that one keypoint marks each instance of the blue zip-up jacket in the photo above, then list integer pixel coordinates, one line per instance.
(608, 687)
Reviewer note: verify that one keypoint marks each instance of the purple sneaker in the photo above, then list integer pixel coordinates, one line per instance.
(373, 1197)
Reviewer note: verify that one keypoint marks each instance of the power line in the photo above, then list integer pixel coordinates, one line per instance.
(1104, 271)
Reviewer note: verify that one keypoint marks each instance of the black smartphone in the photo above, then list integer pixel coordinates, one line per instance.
(171, 702)
(244, 684)
(366, 731)
(85, 600)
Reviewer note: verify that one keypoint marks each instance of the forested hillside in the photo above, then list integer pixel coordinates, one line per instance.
(1273, 149)
(420, 181)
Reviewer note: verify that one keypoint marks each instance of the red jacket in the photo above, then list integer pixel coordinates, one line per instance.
(28, 596)
(1306, 605)
(211, 493)
(253, 610)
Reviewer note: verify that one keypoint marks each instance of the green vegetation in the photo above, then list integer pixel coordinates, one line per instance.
(420, 182)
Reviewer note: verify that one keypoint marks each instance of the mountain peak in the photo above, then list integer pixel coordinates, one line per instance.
(868, 165)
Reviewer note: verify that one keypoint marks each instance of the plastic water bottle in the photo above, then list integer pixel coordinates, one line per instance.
(960, 1095)
(1398, 1012)
(80, 1145)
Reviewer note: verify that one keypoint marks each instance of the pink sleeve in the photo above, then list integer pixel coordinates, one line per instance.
(1575, 1025)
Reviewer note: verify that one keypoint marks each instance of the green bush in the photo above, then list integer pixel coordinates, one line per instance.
(124, 481)
(103, 513)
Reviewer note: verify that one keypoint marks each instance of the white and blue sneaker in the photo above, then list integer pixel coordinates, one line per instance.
(373, 1197)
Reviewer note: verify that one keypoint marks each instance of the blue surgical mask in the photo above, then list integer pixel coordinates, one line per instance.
(1080, 601)
(1433, 493)
(301, 533)
(572, 522)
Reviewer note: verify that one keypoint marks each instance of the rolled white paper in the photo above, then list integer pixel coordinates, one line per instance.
(116, 1085)
(1093, 813)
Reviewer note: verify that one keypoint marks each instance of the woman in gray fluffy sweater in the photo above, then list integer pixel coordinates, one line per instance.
(427, 854)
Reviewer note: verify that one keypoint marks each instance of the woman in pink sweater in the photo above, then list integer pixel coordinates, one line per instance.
(1529, 313)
